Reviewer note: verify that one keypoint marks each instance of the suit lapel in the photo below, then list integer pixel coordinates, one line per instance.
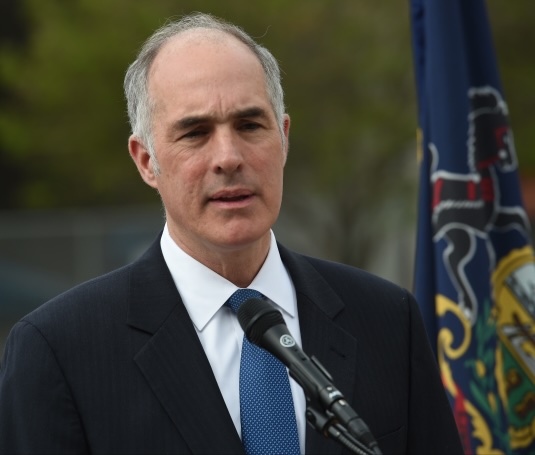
(173, 360)
(336, 350)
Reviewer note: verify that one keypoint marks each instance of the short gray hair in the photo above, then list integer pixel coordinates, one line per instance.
(139, 104)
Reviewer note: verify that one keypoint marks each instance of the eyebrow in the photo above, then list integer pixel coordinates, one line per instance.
(188, 122)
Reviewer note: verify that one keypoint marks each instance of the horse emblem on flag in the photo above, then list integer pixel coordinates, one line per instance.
(468, 206)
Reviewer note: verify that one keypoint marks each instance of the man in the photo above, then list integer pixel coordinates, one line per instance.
(146, 359)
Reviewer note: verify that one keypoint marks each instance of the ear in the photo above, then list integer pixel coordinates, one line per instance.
(286, 132)
(143, 161)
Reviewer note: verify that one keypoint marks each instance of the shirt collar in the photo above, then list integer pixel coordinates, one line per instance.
(204, 292)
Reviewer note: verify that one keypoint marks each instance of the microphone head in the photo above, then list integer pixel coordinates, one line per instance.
(256, 316)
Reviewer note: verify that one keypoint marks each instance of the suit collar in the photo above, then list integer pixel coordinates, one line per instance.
(153, 293)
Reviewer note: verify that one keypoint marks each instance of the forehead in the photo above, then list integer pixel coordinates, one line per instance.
(200, 56)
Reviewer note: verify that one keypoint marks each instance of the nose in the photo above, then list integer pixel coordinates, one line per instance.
(227, 156)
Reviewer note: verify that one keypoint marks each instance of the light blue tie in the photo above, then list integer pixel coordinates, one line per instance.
(268, 424)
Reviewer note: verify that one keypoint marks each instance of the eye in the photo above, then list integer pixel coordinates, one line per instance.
(194, 134)
(249, 126)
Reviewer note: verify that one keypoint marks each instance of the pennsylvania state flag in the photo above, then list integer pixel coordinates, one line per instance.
(475, 273)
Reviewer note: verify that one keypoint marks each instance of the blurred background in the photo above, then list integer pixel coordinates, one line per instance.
(72, 205)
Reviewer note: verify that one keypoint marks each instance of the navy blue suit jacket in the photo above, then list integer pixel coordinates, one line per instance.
(115, 366)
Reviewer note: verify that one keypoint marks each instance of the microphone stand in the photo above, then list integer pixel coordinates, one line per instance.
(326, 424)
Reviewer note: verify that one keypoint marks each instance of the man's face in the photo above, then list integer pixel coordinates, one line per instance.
(217, 143)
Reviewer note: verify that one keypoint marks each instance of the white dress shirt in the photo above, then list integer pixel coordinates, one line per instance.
(204, 293)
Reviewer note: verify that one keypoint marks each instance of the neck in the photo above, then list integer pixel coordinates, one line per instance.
(239, 265)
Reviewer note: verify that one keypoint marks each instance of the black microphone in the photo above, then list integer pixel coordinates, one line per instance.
(264, 326)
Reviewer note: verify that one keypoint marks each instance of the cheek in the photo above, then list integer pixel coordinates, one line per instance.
(186, 174)
(273, 169)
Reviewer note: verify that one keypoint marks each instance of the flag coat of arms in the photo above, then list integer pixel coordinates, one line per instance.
(475, 273)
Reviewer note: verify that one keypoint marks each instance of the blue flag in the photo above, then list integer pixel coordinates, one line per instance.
(475, 273)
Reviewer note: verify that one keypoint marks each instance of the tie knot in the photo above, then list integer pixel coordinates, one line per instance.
(241, 295)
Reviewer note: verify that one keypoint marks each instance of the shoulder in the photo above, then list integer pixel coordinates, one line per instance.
(349, 295)
(342, 278)
(347, 276)
(95, 299)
